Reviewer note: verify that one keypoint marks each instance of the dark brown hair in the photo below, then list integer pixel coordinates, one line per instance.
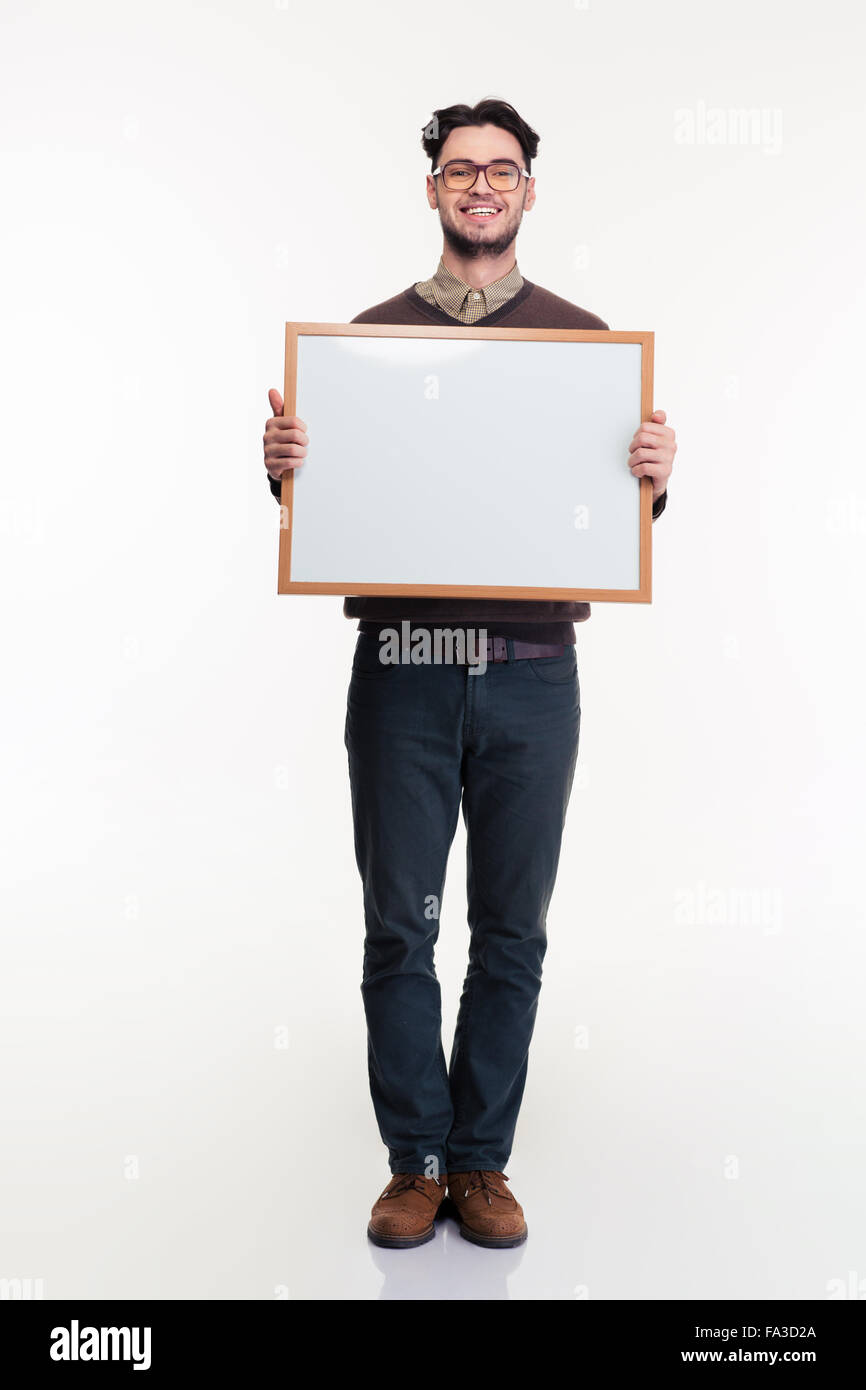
(490, 111)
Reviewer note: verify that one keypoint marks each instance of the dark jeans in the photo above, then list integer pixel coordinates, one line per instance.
(418, 738)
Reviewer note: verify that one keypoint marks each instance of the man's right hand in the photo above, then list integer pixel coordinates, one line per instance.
(285, 439)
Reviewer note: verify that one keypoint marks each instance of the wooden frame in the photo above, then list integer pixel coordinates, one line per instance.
(286, 585)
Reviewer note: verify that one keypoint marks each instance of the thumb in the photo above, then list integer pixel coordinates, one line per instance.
(276, 401)
(659, 416)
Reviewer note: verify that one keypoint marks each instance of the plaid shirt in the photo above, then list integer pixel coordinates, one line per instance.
(464, 302)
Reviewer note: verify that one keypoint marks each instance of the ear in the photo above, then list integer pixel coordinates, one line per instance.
(432, 198)
(530, 194)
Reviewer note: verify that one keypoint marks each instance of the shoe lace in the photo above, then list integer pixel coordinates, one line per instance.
(483, 1180)
(405, 1182)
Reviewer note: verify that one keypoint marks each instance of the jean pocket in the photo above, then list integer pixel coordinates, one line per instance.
(555, 670)
(367, 663)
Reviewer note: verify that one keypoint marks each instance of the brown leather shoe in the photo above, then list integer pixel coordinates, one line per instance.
(403, 1215)
(489, 1214)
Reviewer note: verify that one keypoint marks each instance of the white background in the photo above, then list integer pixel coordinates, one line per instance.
(178, 876)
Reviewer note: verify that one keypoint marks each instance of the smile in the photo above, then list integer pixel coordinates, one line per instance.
(481, 211)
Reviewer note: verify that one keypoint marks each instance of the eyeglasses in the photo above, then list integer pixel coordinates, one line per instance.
(503, 175)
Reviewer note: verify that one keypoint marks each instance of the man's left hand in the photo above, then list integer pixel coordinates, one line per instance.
(651, 452)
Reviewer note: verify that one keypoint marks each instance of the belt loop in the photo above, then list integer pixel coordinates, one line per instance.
(509, 647)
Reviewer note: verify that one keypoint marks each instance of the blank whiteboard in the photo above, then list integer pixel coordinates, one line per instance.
(478, 462)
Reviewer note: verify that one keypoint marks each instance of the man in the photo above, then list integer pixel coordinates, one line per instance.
(422, 737)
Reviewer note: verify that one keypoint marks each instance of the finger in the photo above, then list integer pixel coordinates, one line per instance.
(659, 415)
(656, 430)
(275, 401)
(645, 439)
(281, 464)
(283, 434)
(663, 455)
(286, 422)
(285, 451)
(650, 455)
(649, 468)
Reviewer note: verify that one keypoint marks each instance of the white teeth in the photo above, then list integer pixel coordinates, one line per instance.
(483, 212)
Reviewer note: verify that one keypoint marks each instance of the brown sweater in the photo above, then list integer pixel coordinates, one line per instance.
(542, 620)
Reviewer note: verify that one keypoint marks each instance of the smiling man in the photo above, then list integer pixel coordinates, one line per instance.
(422, 740)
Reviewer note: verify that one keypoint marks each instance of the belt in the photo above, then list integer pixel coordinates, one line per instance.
(497, 649)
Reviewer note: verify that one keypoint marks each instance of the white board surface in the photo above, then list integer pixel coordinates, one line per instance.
(467, 461)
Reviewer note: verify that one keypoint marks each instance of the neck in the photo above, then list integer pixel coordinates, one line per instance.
(479, 271)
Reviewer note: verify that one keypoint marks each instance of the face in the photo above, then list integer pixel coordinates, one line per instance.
(468, 231)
